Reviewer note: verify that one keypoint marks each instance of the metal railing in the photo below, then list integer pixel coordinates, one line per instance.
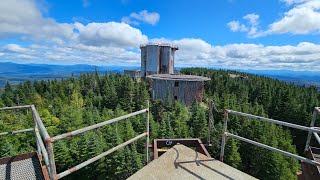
(45, 142)
(312, 130)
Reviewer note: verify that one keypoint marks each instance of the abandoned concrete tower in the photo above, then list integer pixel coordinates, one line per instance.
(157, 65)
(157, 59)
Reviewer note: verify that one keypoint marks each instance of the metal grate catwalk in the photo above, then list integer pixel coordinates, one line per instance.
(25, 166)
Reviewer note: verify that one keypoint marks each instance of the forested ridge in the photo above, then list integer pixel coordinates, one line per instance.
(73, 103)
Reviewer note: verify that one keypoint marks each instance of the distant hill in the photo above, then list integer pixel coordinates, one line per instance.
(15, 73)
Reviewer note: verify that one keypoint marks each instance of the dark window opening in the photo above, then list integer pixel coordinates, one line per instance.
(176, 84)
(175, 97)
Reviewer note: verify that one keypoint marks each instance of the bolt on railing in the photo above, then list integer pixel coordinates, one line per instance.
(312, 130)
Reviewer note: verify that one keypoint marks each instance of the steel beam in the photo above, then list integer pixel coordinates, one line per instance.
(95, 126)
(81, 165)
(303, 159)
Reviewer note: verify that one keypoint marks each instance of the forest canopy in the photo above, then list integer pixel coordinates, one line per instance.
(77, 102)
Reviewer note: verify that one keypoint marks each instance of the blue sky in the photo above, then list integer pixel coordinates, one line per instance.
(241, 34)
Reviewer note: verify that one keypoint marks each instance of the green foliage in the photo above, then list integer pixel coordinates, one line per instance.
(74, 103)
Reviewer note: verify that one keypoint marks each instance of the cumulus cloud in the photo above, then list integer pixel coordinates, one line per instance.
(25, 19)
(114, 43)
(302, 18)
(236, 26)
(143, 16)
(196, 52)
(111, 34)
(251, 25)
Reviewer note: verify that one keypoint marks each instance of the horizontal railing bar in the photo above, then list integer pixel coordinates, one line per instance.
(95, 126)
(275, 121)
(317, 109)
(81, 165)
(317, 137)
(16, 132)
(15, 107)
(43, 149)
(41, 126)
(274, 149)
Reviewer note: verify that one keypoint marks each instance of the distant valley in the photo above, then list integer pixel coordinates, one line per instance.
(16, 73)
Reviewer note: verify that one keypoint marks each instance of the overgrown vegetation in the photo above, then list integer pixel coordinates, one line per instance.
(78, 102)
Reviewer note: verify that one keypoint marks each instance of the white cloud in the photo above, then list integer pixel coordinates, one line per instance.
(114, 43)
(143, 16)
(111, 34)
(302, 18)
(25, 19)
(236, 26)
(196, 52)
(251, 26)
(290, 2)
(15, 48)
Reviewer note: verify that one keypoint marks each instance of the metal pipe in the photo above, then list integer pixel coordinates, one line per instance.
(43, 149)
(275, 121)
(210, 117)
(16, 132)
(224, 136)
(53, 170)
(303, 159)
(36, 130)
(37, 118)
(15, 107)
(314, 117)
(147, 136)
(81, 165)
(317, 137)
(95, 126)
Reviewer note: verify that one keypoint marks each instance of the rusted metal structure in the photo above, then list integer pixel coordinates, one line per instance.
(135, 74)
(157, 59)
(184, 88)
(310, 164)
(45, 142)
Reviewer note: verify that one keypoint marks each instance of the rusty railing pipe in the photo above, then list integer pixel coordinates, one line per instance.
(147, 134)
(81, 165)
(282, 123)
(16, 132)
(303, 159)
(15, 107)
(95, 126)
(224, 136)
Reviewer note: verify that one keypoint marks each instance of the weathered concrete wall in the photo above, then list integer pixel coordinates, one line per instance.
(153, 59)
(184, 91)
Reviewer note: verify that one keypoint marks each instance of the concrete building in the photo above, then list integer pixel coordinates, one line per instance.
(135, 74)
(184, 88)
(157, 59)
